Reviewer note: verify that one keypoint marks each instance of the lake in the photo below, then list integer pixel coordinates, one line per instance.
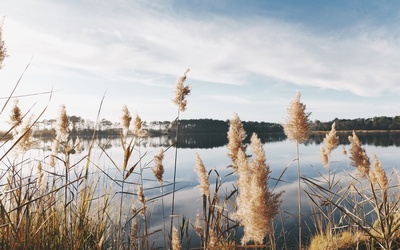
(280, 155)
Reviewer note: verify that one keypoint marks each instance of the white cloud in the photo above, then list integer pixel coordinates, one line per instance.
(229, 99)
(134, 42)
(220, 49)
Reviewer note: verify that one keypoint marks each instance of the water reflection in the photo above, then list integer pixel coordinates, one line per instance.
(382, 139)
(193, 141)
(211, 147)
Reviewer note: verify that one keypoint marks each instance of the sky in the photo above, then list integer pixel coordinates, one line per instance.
(245, 57)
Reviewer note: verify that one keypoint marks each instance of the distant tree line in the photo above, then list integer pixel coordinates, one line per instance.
(104, 127)
(375, 123)
(206, 126)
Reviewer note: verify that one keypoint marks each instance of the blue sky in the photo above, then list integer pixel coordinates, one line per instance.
(248, 57)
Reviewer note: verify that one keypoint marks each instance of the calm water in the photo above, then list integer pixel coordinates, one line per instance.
(280, 154)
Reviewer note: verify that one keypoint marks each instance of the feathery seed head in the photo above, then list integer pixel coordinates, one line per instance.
(62, 124)
(256, 204)
(324, 158)
(297, 127)
(203, 176)
(16, 115)
(26, 141)
(181, 92)
(54, 152)
(331, 141)
(197, 226)
(137, 129)
(126, 120)
(142, 200)
(40, 182)
(213, 240)
(380, 174)
(3, 53)
(359, 157)
(236, 135)
(158, 171)
(175, 241)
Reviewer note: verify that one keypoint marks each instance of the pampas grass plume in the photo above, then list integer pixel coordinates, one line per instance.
(158, 170)
(181, 92)
(3, 53)
(137, 128)
(324, 157)
(126, 120)
(201, 171)
(236, 135)
(256, 204)
(142, 200)
(297, 127)
(197, 226)
(26, 142)
(331, 141)
(62, 124)
(16, 115)
(175, 241)
(379, 173)
(359, 158)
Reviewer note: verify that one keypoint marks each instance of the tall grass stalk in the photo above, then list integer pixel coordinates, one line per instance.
(158, 172)
(181, 92)
(127, 146)
(297, 128)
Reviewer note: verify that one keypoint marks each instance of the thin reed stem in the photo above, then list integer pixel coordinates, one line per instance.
(174, 178)
(299, 194)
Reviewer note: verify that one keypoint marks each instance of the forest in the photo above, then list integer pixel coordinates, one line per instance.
(78, 125)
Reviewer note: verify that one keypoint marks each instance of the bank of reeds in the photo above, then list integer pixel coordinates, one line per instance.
(362, 211)
(57, 202)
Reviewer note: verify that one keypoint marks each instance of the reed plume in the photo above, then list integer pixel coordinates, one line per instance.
(257, 206)
(142, 200)
(236, 135)
(16, 115)
(126, 120)
(197, 227)
(40, 182)
(181, 92)
(201, 171)
(137, 127)
(379, 174)
(61, 134)
(26, 139)
(3, 51)
(62, 128)
(331, 140)
(158, 170)
(324, 157)
(175, 241)
(297, 129)
(298, 126)
(359, 158)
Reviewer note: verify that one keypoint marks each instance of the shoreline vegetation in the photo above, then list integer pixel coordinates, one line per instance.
(58, 202)
(45, 128)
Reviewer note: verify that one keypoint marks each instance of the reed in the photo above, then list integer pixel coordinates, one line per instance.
(368, 205)
(181, 92)
(3, 50)
(297, 128)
